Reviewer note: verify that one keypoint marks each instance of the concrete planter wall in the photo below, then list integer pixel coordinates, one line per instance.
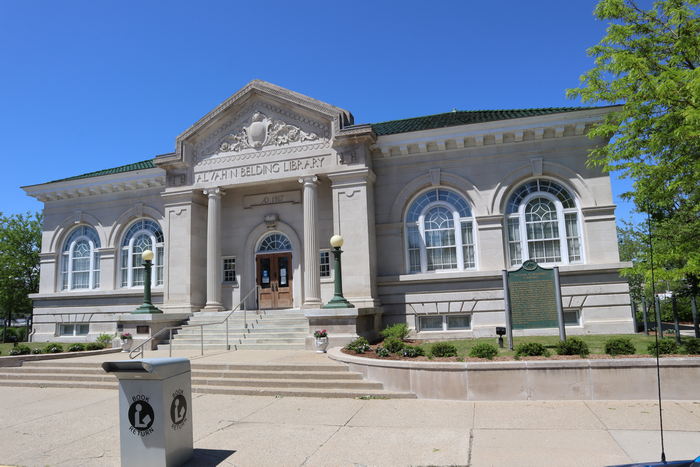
(17, 360)
(609, 379)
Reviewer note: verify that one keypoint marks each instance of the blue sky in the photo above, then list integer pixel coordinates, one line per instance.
(88, 85)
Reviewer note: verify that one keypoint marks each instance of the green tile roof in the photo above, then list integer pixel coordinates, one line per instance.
(147, 164)
(462, 117)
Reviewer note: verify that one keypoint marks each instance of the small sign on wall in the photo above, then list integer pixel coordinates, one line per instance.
(266, 199)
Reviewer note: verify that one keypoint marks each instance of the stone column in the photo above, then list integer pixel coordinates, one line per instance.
(312, 279)
(214, 249)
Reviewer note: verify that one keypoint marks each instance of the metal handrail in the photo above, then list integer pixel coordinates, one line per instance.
(139, 350)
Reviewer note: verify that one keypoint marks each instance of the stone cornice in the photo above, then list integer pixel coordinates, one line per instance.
(563, 125)
(95, 186)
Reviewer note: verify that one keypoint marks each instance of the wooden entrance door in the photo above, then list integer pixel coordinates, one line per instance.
(274, 276)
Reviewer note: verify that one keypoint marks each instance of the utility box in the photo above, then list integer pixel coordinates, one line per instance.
(155, 411)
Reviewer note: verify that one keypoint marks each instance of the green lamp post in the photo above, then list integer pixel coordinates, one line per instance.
(147, 306)
(338, 301)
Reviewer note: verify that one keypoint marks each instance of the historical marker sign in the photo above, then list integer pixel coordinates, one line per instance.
(533, 297)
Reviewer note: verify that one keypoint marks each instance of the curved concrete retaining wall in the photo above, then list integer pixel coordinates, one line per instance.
(17, 360)
(608, 379)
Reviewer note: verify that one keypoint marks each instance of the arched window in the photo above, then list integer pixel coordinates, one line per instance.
(80, 261)
(144, 234)
(274, 242)
(543, 224)
(439, 232)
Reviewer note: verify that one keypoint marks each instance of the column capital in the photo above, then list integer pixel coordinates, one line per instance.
(309, 180)
(215, 192)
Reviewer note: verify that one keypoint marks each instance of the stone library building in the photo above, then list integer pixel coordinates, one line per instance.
(431, 209)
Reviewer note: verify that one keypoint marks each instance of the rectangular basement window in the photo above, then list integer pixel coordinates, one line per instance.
(73, 329)
(444, 322)
(572, 317)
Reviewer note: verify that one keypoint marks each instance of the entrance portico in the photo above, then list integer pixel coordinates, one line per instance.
(273, 154)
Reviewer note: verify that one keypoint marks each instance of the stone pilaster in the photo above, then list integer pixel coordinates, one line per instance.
(312, 280)
(353, 218)
(214, 249)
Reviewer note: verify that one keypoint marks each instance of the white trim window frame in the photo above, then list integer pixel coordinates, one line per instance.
(141, 235)
(445, 322)
(533, 228)
(444, 222)
(80, 261)
(75, 329)
(324, 264)
(228, 270)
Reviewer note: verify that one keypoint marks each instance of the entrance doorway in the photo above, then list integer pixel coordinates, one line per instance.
(274, 272)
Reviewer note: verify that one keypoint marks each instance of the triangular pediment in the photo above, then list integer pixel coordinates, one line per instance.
(261, 119)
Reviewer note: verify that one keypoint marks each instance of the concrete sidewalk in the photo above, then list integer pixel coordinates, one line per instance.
(71, 427)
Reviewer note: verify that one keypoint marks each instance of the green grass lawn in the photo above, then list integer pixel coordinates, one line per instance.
(596, 343)
(5, 348)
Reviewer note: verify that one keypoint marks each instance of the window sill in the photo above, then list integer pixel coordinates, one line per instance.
(136, 292)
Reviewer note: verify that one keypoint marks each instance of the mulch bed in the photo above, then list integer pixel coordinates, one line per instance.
(501, 358)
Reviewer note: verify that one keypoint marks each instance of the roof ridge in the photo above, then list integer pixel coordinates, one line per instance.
(466, 117)
(141, 165)
(493, 110)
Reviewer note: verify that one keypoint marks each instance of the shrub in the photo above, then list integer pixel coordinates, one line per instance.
(666, 346)
(619, 346)
(20, 349)
(531, 349)
(105, 340)
(53, 348)
(76, 347)
(37, 351)
(411, 351)
(573, 346)
(393, 344)
(692, 346)
(397, 331)
(443, 349)
(382, 352)
(484, 350)
(94, 346)
(359, 345)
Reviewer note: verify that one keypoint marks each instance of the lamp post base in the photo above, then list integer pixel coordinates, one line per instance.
(147, 308)
(338, 302)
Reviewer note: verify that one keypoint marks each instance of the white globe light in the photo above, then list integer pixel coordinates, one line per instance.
(336, 241)
(147, 255)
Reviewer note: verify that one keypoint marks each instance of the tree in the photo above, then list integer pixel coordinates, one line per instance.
(20, 239)
(647, 63)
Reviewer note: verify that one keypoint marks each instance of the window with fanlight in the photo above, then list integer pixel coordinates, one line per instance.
(543, 224)
(80, 261)
(142, 235)
(439, 232)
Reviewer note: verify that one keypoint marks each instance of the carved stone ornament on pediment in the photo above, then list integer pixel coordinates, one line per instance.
(264, 131)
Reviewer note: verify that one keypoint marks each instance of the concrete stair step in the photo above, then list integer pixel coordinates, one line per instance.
(305, 392)
(233, 345)
(243, 391)
(58, 384)
(234, 382)
(268, 367)
(315, 375)
(104, 378)
(290, 383)
(253, 340)
(46, 369)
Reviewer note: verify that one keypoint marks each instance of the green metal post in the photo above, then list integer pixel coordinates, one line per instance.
(338, 301)
(147, 306)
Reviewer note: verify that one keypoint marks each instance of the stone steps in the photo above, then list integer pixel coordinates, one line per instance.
(292, 380)
(267, 330)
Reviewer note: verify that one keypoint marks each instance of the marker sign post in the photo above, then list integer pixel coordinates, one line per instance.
(533, 298)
